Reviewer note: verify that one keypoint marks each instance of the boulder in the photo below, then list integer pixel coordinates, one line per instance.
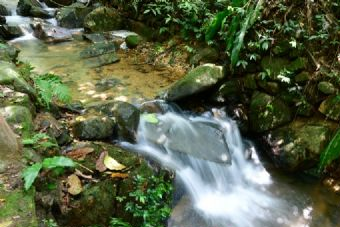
(97, 49)
(127, 119)
(10, 32)
(106, 84)
(93, 127)
(330, 107)
(132, 41)
(50, 33)
(103, 19)
(20, 118)
(4, 11)
(8, 53)
(103, 107)
(298, 146)
(204, 55)
(197, 80)
(9, 76)
(58, 3)
(2, 20)
(32, 8)
(73, 16)
(9, 145)
(53, 128)
(327, 88)
(303, 77)
(141, 28)
(267, 112)
(10, 97)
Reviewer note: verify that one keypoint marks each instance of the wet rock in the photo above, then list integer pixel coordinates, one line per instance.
(230, 90)
(11, 97)
(8, 53)
(197, 80)
(10, 32)
(127, 118)
(2, 20)
(32, 8)
(50, 33)
(92, 127)
(145, 31)
(47, 123)
(305, 109)
(73, 16)
(9, 76)
(104, 59)
(95, 37)
(58, 3)
(4, 11)
(204, 55)
(267, 112)
(269, 86)
(98, 49)
(103, 107)
(249, 82)
(106, 84)
(298, 65)
(103, 19)
(331, 107)
(326, 87)
(132, 41)
(298, 146)
(20, 118)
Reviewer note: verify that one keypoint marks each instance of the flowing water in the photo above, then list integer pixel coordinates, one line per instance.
(245, 191)
(240, 194)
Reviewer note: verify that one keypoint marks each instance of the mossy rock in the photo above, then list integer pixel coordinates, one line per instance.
(32, 8)
(8, 53)
(267, 112)
(103, 19)
(132, 41)
(197, 80)
(19, 118)
(105, 59)
(298, 146)
(11, 98)
(17, 208)
(98, 49)
(327, 88)
(93, 127)
(73, 16)
(331, 107)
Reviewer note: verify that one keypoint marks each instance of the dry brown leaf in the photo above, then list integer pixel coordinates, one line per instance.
(119, 175)
(74, 185)
(112, 163)
(80, 153)
(100, 162)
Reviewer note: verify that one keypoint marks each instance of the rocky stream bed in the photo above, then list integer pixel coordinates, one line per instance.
(114, 70)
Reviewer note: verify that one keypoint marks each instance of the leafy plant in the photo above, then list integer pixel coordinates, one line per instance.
(30, 173)
(331, 152)
(149, 201)
(49, 223)
(50, 87)
(40, 140)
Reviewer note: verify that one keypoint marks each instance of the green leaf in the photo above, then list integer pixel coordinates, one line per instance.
(30, 174)
(215, 25)
(331, 152)
(151, 118)
(58, 161)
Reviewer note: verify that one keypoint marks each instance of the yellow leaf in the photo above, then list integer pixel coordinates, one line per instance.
(112, 164)
(119, 175)
(74, 185)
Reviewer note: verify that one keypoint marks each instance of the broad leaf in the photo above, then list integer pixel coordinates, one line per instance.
(215, 25)
(30, 173)
(331, 152)
(58, 161)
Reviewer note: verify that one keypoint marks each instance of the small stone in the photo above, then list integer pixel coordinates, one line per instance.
(326, 87)
(302, 77)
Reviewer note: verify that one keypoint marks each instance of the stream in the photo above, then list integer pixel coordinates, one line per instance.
(244, 191)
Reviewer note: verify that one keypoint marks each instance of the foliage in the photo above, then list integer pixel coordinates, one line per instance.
(40, 140)
(49, 88)
(331, 152)
(149, 201)
(49, 223)
(30, 173)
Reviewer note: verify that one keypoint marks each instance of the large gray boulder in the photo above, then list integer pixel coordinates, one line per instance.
(267, 112)
(197, 80)
(32, 8)
(4, 11)
(298, 146)
(50, 33)
(97, 49)
(8, 32)
(58, 3)
(73, 16)
(103, 19)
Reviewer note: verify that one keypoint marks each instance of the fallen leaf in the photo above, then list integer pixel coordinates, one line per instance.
(119, 175)
(100, 162)
(112, 164)
(80, 174)
(74, 185)
(80, 153)
(151, 118)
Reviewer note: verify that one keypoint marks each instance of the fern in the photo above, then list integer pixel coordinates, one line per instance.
(49, 87)
(331, 152)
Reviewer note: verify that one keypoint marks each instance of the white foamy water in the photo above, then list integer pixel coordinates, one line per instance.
(224, 195)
